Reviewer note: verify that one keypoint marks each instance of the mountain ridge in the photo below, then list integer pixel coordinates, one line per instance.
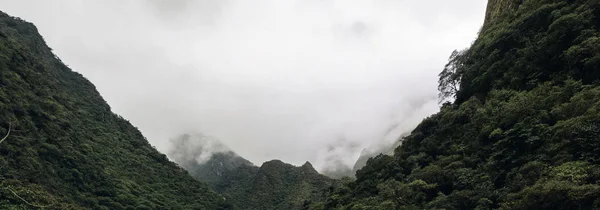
(66, 149)
(272, 185)
(520, 130)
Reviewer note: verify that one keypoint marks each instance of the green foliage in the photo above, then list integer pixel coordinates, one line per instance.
(187, 151)
(523, 132)
(66, 149)
(275, 185)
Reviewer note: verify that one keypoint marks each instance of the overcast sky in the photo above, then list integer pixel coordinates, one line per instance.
(294, 80)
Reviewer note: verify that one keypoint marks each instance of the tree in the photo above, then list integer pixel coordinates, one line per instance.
(450, 77)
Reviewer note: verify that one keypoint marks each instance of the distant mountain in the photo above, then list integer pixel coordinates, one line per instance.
(205, 158)
(520, 130)
(274, 185)
(63, 148)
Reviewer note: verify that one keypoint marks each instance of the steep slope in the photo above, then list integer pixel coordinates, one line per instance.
(366, 154)
(523, 132)
(497, 8)
(65, 149)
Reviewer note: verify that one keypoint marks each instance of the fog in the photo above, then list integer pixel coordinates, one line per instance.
(295, 80)
(195, 148)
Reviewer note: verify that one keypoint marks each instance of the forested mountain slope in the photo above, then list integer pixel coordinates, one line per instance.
(65, 149)
(523, 132)
(205, 158)
(274, 185)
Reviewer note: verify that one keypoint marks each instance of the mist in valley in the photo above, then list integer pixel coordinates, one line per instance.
(297, 80)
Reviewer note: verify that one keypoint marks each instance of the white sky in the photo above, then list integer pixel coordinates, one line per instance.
(294, 80)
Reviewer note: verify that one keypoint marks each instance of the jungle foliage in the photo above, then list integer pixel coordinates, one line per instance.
(274, 185)
(519, 129)
(65, 149)
(522, 133)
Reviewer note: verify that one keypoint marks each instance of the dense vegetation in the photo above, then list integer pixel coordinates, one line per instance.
(274, 185)
(205, 158)
(65, 149)
(523, 131)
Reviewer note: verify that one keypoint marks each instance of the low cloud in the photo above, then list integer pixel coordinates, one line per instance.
(272, 79)
(195, 147)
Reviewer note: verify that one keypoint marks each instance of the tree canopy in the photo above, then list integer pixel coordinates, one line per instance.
(63, 148)
(523, 132)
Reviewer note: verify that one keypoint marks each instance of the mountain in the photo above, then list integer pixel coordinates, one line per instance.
(205, 158)
(219, 166)
(274, 185)
(521, 126)
(519, 129)
(366, 154)
(339, 170)
(63, 148)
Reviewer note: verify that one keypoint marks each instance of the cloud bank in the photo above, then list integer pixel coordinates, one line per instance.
(296, 80)
(196, 148)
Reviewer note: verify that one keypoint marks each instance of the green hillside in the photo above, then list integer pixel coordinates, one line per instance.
(523, 132)
(520, 130)
(205, 158)
(275, 185)
(65, 149)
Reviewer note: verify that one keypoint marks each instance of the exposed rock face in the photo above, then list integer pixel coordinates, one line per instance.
(496, 7)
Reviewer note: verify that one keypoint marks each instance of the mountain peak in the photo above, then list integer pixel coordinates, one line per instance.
(273, 163)
(308, 167)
